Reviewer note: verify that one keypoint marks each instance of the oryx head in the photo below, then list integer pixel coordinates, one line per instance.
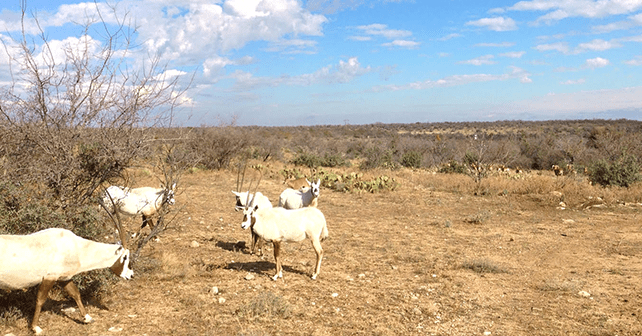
(121, 266)
(314, 187)
(241, 197)
(169, 193)
(248, 216)
(250, 209)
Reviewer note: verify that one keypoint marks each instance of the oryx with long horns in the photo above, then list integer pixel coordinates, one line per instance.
(56, 255)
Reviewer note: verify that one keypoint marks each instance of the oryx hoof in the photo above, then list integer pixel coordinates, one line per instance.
(278, 275)
(37, 330)
(88, 319)
(314, 276)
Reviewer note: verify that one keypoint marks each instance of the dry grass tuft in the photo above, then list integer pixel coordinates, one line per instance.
(484, 266)
(173, 266)
(557, 285)
(266, 305)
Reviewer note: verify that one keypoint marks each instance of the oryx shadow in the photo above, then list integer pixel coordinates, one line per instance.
(261, 267)
(240, 246)
(22, 304)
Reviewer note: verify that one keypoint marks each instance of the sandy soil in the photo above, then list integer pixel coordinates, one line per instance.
(414, 261)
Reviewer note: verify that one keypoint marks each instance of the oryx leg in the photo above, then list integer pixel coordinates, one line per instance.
(277, 258)
(147, 220)
(73, 291)
(319, 250)
(43, 293)
(257, 244)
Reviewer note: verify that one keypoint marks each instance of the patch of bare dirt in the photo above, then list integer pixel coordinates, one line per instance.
(419, 260)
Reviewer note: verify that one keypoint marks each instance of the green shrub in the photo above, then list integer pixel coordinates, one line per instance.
(376, 157)
(453, 167)
(353, 182)
(411, 159)
(334, 160)
(307, 160)
(622, 172)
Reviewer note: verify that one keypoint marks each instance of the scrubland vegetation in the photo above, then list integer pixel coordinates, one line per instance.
(73, 132)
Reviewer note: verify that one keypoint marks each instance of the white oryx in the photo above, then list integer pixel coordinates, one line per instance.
(56, 255)
(145, 201)
(260, 200)
(257, 198)
(279, 225)
(295, 199)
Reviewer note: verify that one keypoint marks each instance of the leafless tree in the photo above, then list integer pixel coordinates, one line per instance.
(78, 115)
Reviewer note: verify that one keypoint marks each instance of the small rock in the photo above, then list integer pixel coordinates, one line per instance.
(568, 221)
(194, 243)
(221, 300)
(584, 294)
(417, 311)
(10, 334)
(487, 333)
(335, 295)
(214, 290)
(115, 329)
(69, 310)
(362, 275)
(249, 276)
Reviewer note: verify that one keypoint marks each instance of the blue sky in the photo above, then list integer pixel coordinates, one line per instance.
(288, 62)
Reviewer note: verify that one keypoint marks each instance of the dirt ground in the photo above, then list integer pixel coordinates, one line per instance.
(417, 260)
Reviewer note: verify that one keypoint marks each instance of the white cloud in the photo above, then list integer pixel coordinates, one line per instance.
(597, 45)
(558, 46)
(637, 38)
(513, 54)
(597, 62)
(637, 61)
(200, 29)
(449, 37)
(482, 60)
(343, 72)
(561, 9)
(457, 80)
(83, 12)
(402, 43)
(501, 45)
(360, 38)
(551, 106)
(377, 29)
(607, 28)
(214, 65)
(574, 82)
(495, 23)
(60, 50)
(293, 46)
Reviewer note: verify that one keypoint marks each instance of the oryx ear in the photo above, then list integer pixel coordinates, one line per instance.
(306, 180)
(318, 181)
(236, 193)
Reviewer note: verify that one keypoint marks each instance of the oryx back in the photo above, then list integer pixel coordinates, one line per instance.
(53, 254)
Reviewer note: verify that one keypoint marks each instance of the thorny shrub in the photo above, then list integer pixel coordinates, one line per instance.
(622, 172)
